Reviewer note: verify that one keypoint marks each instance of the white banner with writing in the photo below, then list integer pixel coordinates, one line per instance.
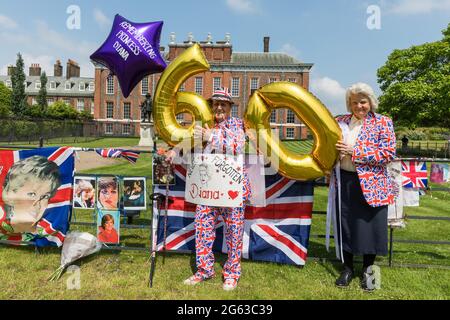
(215, 180)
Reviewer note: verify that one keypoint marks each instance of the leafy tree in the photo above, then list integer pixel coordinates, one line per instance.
(42, 96)
(5, 101)
(416, 84)
(18, 98)
(61, 110)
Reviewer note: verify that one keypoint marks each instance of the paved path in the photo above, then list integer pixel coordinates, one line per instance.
(92, 160)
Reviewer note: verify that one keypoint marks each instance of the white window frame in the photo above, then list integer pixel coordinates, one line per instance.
(67, 101)
(109, 104)
(33, 101)
(217, 83)
(82, 86)
(144, 80)
(127, 104)
(290, 133)
(67, 85)
(50, 101)
(290, 116)
(8, 83)
(91, 86)
(199, 85)
(110, 84)
(92, 106)
(235, 111)
(273, 116)
(293, 80)
(180, 117)
(235, 86)
(52, 85)
(37, 85)
(254, 85)
(182, 88)
(80, 105)
(272, 80)
(109, 125)
(128, 126)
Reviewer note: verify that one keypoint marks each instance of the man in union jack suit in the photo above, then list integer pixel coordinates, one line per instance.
(360, 187)
(227, 136)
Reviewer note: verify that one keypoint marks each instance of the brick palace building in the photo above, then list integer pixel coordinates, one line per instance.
(241, 72)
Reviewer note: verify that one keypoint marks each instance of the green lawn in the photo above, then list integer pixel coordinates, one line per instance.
(124, 275)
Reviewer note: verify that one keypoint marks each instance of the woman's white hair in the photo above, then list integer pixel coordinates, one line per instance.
(364, 89)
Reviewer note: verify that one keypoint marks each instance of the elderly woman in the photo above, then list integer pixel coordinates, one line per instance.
(227, 136)
(360, 188)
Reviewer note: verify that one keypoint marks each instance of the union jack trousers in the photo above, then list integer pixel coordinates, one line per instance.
(205, 235)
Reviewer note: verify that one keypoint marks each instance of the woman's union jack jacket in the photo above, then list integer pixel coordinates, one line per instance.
(374, 149)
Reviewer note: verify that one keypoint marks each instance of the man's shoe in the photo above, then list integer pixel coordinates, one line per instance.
(229, 284)
(345, 278)
(195, 279)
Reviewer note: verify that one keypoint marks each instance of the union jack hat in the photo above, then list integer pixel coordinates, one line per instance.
(222, 94)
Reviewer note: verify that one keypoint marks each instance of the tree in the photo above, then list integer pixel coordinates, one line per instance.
(18, 98)
(416, 84)
(42, 96)
(5, 101)
(61, 110)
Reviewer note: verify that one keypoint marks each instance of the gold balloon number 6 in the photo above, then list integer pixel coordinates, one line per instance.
(168, 102)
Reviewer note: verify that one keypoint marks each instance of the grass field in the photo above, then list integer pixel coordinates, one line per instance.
(124, 275)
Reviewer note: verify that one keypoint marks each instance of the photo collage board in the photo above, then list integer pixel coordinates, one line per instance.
(110, 197)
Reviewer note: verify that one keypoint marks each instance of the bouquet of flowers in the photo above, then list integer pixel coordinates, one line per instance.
(76, 246)
(162, 169)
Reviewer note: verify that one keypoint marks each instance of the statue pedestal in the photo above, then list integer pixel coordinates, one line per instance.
(146, 134)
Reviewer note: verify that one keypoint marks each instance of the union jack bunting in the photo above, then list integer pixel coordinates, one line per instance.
(415, 173)
(131, 156)
(52, 227)
(278, 232)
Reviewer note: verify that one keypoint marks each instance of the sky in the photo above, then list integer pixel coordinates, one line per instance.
(346, 40)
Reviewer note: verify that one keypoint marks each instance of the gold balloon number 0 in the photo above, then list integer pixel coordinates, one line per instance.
(168, 102)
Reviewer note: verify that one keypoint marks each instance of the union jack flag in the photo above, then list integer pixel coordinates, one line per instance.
(54, 224)
(278, 232)
(415, 173)
(131, 156)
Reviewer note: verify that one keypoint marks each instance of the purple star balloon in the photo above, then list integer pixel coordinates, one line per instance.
(131, 52)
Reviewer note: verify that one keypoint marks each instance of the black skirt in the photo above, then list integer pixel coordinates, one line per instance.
(364, 228)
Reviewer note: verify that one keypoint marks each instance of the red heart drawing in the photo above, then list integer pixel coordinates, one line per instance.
(233, 194)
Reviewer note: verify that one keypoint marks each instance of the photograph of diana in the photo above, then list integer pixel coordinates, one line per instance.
(108, 193)
(108, 226)
(84, 192)
(134, 191)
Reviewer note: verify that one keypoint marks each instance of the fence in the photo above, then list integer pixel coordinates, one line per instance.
(392, 240)
(439, 149)
(60, 131)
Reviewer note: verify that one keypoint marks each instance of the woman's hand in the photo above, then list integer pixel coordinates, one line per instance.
(344, 149)
(202, 133)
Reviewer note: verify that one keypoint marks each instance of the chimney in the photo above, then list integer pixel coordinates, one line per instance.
(266, 44)
(35, 70)
(72, 70)
(58, 69)
(11, 70)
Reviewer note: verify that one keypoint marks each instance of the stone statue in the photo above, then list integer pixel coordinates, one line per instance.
(147, 108)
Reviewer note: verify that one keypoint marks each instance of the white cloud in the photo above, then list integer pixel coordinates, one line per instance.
(244, 6)
(56, 40)
(7, 22)
(290, 50)
(102, 20)
(410, 7)
(330, 92)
